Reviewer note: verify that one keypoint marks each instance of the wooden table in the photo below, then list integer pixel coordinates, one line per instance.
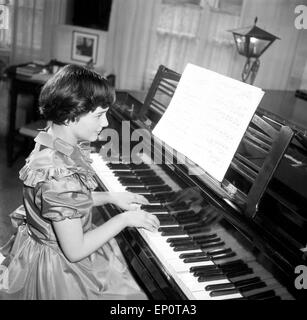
(20, 84)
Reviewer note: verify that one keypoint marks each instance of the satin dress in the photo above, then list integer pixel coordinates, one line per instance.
(58, 181)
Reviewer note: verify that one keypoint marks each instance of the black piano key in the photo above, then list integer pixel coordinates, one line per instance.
(136, 178)
(225, 276)
(164, 216)
(218, 251)
(212, 245)
(144, 173)
(192, 255)
(199, 270)
(156, 208)
(163, 195)
(151, 198)
(208, 274)
(211, 254)
(242, 290)
(177, 239)
(166, 222)
(167, 229)
(181, 243)
(186, 247)
(223, 256)
(151, 180)
(139, 166)
(134, 175)
(196, 259)
(223, 266)
(117, 165)
(133, 184)
(207, 241)
(159, 188)
(252, 286)
(213, 272)
(183, 213)
(166, 219)
(178, 206)
(232, 285)
(124, 174)
(174, 232)
(204, 236)
(223, 292)
(137, 189)
(199, 231)
(191, 223)
(263, 295)
(191, 246)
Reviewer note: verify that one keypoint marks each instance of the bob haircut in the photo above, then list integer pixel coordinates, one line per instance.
(72, 92)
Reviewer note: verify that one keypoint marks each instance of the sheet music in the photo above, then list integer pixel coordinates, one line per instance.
(207, 117)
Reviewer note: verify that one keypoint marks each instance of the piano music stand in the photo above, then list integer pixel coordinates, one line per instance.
(265, 141)
(267, 144)
(160, 93)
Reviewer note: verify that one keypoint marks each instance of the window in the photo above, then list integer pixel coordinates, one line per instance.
(27, 17)
(194, 31)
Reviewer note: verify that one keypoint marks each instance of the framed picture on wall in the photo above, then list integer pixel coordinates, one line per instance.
(84, 47)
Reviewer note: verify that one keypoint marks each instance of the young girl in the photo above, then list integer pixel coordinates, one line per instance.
(57, 253)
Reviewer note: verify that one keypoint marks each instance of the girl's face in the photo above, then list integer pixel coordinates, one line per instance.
(90, 125)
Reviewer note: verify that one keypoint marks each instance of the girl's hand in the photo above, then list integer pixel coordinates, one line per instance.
(127, 200)
(141, 219)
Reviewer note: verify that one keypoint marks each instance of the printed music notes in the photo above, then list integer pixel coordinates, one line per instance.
(207, 118)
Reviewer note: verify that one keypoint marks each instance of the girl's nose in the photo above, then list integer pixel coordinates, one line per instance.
(104, 121)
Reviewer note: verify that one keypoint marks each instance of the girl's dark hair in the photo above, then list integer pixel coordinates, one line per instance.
(73, 91)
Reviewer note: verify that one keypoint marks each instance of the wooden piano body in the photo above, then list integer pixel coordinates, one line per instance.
(264, 217)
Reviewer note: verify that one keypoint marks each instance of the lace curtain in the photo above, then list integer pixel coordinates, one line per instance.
(31, 28)
(194, 32)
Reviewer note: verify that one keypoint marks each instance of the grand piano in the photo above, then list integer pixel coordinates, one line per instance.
(239, 239)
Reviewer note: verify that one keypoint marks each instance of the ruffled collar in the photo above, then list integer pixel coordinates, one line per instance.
(75, 160)
(79, 153)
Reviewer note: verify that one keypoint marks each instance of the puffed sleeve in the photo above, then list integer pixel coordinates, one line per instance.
(65, 198)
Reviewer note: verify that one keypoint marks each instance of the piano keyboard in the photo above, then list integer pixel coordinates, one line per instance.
(201, 260)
